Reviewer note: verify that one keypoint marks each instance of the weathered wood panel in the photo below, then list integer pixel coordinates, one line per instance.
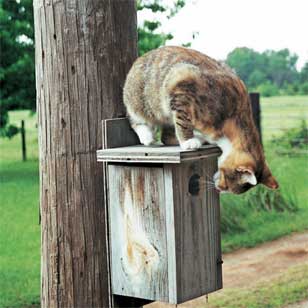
(84, 49)
(115, 137)
(173, 277)
(138, 232)
(118, 133)
(196, 231)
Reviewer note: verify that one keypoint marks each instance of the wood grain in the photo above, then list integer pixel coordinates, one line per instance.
(84, 49)
(118, 133)
(165, 230)
(171, 236)
(196, 231)
(138, 232)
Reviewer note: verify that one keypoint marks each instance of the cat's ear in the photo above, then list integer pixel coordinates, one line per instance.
(248, 175)
(268, 179)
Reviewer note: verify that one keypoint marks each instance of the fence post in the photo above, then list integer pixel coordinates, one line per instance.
(256, 111)
(23, 141)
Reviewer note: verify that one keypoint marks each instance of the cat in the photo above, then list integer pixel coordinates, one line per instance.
(196, 99)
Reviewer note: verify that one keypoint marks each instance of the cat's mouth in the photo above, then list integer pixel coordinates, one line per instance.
(216, 183)
(221, 191)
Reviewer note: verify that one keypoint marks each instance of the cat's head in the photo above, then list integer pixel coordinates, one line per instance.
(238, 179)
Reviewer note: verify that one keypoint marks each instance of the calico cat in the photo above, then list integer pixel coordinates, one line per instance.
(196, 99)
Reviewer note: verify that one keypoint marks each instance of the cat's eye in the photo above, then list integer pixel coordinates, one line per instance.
(231, 176)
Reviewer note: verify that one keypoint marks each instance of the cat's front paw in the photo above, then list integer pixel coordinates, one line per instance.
(145, 134)
(146, 137)
(191, 144)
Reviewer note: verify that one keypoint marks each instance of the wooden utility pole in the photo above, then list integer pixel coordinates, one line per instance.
(84, 49)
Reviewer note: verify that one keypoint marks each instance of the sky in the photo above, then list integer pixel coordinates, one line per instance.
(226, 24)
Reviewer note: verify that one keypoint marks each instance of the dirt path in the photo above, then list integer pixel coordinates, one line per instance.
(303, 304)
(246, 267)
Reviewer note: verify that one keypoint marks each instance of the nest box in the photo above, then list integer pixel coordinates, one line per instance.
(164, 217)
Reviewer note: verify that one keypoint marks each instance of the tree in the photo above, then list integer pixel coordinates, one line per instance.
(281, 66)
(304, 79)
(17, 79)
(269, 72)
(245, 61)
(149, 36)
(304, 73)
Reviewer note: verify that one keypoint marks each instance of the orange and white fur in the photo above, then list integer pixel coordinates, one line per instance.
(196, 99)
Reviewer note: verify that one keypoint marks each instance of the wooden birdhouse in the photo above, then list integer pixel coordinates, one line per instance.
(164, 217)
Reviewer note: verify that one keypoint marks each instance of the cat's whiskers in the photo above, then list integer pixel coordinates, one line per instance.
(209, 182)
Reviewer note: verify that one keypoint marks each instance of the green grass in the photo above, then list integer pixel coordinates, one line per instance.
(255, 226)
(282, 112)
(252, 226)
(10, 149)
(19, 239)
(289, 288)
(20, 232)
(19, 228)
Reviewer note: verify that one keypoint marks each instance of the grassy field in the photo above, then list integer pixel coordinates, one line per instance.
(19, 225)
(279, 113)
(257, 226)
(291, 287)
(20, 235)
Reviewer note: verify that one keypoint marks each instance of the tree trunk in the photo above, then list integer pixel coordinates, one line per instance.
(84, 49)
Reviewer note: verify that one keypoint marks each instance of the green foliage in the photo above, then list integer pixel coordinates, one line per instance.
(17, 79)
(149, 34)
(294, 138)
(304, 73)
(270, 72)
(9, 131)
(281, 66)
(263, 199)
(268, 89)
(232, 215)
(235, 210)
(148, 39)
(304, 88)
(157, 6)
(245, 61)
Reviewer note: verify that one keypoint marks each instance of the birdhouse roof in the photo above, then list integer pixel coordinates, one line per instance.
(155, 154)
